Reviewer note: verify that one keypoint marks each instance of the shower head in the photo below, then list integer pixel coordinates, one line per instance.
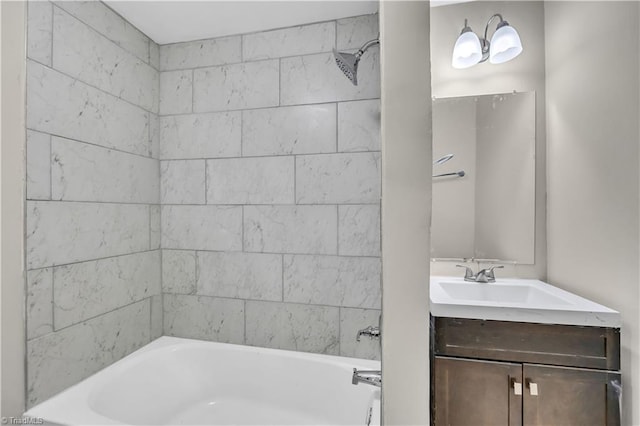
(348, 62)
(443, 159)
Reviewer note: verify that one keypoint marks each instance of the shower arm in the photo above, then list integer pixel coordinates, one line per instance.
(366, 46)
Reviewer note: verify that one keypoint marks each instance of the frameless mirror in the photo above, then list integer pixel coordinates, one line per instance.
(484, 196)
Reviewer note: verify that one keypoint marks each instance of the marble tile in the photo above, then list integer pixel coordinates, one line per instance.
(82, 53)
(294, 327)
(351, 321)
(290, 229)
(156, 316)
(83, 172)
(154, 227)
(206, 318)
(359, 230)
(293, 41)
(154, 136)
(39, 31)
(176, 92)
(316, 79)
(182, 182)
(356, 31)
(307, 129)
(59, 360)
(201, 53)
(265, 180)
(64, 232)
(359, 126)
(59, 105)
(202, 228)
(200, 136)
(108, 23)
(179, 271)
(240, 275)
(38, 166)
(239, 86)
(338, 178)
(39, 302)
(154, 54)
(87, 289)
(332, 280)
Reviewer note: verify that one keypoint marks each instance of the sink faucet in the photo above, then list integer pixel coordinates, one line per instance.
(369, 377)
(371, 331)
(483, 276)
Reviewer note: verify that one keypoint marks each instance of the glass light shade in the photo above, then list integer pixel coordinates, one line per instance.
(505, 45)
(467, 51)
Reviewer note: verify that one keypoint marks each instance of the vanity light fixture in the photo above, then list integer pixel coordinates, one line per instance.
(470, 49)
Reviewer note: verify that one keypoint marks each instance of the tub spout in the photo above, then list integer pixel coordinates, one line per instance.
(370, 377)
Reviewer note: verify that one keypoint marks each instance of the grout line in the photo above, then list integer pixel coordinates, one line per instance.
(113, 203)
(91, 260)
(349, 256)
(267, 155)
(224, 205)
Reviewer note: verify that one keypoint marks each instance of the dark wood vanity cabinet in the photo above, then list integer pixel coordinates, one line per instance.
(508, 373)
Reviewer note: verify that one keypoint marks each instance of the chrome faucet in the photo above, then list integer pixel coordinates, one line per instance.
(371, 331)
(369, 377)
(483, 276)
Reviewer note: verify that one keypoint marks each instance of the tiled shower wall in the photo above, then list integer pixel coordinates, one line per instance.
(93, 215)
(270, 189)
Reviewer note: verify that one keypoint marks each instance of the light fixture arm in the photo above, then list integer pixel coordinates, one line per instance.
(484, 42)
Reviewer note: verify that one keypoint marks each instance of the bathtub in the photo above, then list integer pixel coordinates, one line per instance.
(174, 381)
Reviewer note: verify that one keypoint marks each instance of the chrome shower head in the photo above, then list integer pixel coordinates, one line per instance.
(348, 62)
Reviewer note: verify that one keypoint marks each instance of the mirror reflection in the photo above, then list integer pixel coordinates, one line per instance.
(484, 178)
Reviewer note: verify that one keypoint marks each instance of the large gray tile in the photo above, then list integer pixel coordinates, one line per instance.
(84, 54)
(307, 129)
(293, 41)
(87, 289)
(316, 79)
(239, 86)
(39, 302)
(356, 31)
(58, 360)
(359, 126)
(38, 166)
(351, 321)
(202, 228)
(176, 92)
(332, 280)
(179, 271)
(240, 275)
(295, 327)
(182, 182)
(200, 136)
(264, 180)
(338, 178)
(108, 23)
(359, 230)
(201, 53)
(206, 318)
(65, 232)
(83, 172)
(59, 105)
(290, 229)
(39, 31)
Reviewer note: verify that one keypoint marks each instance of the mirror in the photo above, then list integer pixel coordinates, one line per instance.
(484, 196)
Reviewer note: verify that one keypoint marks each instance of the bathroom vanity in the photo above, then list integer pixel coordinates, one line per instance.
(522, 352)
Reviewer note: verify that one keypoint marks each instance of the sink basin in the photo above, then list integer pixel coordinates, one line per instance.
(516, 300)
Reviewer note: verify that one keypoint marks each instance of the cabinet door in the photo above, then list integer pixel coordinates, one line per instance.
(570, 396)
(476, 393)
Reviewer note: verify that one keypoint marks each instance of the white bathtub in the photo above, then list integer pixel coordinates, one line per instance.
(174, 381)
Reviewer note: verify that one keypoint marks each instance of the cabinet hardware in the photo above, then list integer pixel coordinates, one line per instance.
(532, 386)
(517, 387)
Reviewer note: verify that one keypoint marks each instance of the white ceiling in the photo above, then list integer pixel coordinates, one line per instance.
(174, 21)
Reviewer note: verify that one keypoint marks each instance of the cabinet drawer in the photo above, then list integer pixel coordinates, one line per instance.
(565, 345)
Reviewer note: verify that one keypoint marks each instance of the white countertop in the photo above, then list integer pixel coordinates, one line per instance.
(519, 300)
